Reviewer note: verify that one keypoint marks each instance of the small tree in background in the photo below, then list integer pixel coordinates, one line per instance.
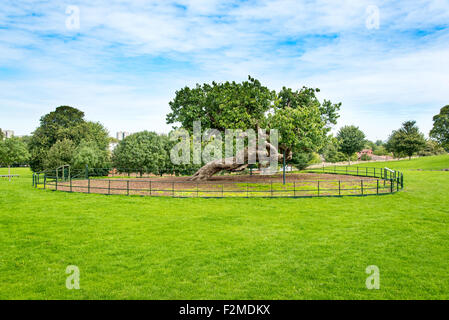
(65, 123)
(331, 151)
(440, 130)
(13, 151)
(61, 153)
(143, 152)
(88, 153)
(407, 140)
(181, 168)
(2, 135)
(432, 148)
(301, 160)
(351, 140)
(379, 143)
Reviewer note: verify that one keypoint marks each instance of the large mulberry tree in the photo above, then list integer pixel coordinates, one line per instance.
(301, 119)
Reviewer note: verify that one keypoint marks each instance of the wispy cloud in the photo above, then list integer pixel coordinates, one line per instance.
(127, 59)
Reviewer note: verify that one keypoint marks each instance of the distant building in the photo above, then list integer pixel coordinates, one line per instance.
(367, 152)
(122, 135)
(8, 134)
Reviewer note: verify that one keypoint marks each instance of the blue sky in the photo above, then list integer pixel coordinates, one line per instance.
(127, 58)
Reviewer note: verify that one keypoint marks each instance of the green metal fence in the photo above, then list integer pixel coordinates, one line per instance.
(361, 181)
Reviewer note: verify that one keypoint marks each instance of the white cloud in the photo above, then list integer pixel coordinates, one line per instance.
(128, 58)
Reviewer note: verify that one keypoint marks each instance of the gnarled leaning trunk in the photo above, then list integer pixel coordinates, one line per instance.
(230, 164)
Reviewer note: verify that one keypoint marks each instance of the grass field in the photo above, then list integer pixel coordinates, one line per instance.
(164, 248)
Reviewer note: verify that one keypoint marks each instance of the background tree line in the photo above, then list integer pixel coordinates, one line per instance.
(404, 142)
(65, 137)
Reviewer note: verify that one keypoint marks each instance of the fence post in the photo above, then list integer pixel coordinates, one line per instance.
(70, 183)
(222, 190)
(45, 180)
(361, 184)
(88, 185)
(127, 187)
(318, 188)
(109, 187)
(294, 188)
(56, 186)
(391, 185)
(32, 183)
(339, 187)
(87, 171)
(377, 191)
(402, 180)
(283, 168)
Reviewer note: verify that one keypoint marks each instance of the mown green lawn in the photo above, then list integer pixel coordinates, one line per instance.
(164, 248)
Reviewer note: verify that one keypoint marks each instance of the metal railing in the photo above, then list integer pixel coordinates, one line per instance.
(374, 181)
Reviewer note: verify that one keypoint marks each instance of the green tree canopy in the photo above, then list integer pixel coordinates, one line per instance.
(2, 135)
(351, 140)
(302, 121)
(440, 130)
(432, 148)
(407, 140)
(61, 153)
(331, 151)
(65, 123)
(13, 151)
(88, 153)
(379, 143)
(143, 151)
(178, 169)
(221, 106)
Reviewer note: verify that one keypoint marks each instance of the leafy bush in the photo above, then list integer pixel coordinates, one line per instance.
(314, 158)
(301, 160)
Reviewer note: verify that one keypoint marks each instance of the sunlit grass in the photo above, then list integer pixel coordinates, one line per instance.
(165, 248)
